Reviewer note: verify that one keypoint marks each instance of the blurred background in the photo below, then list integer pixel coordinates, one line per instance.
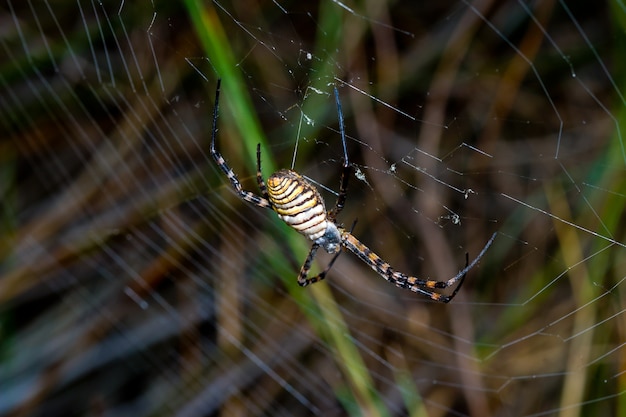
(134, 281)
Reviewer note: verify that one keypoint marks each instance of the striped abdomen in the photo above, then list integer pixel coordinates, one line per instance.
(298, 203)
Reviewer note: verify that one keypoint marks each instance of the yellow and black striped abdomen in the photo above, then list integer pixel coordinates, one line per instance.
(298, 203)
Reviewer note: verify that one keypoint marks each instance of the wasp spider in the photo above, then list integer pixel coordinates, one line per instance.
(298, 203)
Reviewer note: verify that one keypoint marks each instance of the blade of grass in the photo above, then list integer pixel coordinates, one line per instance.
(240, 111)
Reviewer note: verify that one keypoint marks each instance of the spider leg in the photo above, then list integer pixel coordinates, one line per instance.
(418, 285)
(259, 176)
(306, 267)
(343, 193)
(446, 299)
(347, 168)
(303, 281)
(261, 201)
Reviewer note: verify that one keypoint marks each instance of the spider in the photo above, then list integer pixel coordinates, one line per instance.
(299, 204)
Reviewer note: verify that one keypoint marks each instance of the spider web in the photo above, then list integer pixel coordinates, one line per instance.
(133, 281)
